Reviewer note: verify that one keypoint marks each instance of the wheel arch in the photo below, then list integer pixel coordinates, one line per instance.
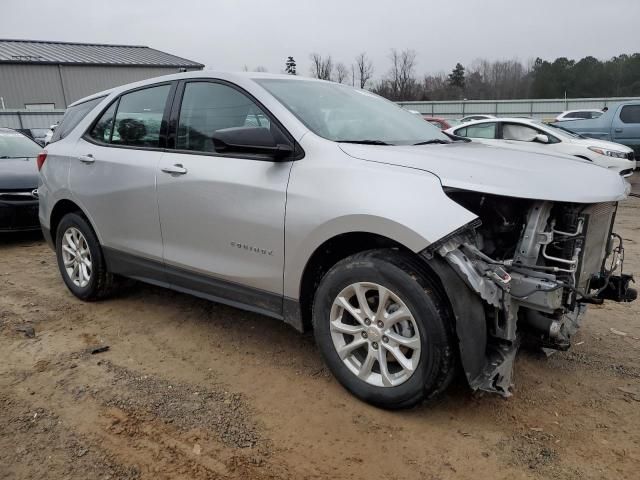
(60, 209)
(326, 255)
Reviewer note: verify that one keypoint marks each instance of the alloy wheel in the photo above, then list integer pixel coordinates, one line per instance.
(375, 334)
(76, 257)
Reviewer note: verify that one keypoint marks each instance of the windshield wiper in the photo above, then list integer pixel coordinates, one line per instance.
(432, 141)
(366, 142)
(7, 157)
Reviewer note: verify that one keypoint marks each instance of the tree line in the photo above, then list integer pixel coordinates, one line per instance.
(483, 79)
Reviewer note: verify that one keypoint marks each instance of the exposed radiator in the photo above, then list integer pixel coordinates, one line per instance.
(598, 224)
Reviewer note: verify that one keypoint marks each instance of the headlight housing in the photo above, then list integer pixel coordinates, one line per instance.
(608, 153)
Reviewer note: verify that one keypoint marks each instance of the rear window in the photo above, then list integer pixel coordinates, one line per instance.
(72, 117)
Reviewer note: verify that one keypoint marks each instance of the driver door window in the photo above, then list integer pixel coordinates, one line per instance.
(210, 107)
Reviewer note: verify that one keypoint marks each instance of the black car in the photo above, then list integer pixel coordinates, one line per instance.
(18, 182)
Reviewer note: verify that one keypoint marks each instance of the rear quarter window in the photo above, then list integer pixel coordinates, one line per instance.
(72, 117)
(630, 114)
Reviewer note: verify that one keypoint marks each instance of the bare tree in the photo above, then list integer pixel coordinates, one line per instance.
(364, 67)
(401, 76)
(342, 73)
(321, 68)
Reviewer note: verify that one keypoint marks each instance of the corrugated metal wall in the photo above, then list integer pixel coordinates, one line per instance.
(20, 84)
(80, 81)
(29, 118)
(64, 84)
(545, 109)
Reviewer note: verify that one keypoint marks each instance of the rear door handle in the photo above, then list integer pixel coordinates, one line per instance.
(88, 158)
(176, 169)
(618, 130)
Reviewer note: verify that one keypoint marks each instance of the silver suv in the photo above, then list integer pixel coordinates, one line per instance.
(409, 253)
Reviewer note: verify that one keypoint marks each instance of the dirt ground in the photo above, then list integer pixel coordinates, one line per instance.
(192, 390)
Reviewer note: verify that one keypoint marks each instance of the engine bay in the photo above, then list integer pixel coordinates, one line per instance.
(536, 265)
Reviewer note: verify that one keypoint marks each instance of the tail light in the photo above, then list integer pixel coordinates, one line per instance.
(42, 156)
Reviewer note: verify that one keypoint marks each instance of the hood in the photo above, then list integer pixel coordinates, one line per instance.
(18, 174)
(500, 171)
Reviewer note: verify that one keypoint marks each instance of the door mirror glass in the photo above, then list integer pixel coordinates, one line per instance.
(243, 137)
(249, 140)
(541, 138)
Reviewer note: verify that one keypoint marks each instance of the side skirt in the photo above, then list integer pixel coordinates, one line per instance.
(203, 286)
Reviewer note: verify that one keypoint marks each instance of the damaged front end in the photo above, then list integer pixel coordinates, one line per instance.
(535, 265)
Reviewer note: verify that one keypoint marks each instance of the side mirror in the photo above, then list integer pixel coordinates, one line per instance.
(541, 138)
(250, 140)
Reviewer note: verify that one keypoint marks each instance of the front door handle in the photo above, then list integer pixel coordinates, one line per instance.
(618, 130)
(176, 169)
(88, 158)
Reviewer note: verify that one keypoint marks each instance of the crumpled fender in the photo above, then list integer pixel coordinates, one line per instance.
(471, 324)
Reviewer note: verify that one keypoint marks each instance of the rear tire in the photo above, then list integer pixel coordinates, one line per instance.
(80, 259)
(410, 335)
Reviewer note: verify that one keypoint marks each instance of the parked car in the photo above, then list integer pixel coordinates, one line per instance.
(472, 118)
(620, 124)
(406, 252)
(18, 182)
(535, 136)
(441, 123)
(36, 134)
(579, 114)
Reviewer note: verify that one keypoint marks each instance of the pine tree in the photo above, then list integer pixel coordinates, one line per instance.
(456, 77)
(290, 66)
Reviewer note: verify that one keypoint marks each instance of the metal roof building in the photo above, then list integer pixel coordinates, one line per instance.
(43, 75)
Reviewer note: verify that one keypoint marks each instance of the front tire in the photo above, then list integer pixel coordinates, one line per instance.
(80, 259)
(383, 328)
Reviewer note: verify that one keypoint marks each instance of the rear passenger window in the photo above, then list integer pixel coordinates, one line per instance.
(134, 119)
(208, 107)
(139, 117)
(72, 117)
(630, 114)
(482, 130)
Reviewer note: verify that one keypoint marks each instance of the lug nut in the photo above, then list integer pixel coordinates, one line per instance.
(380, 324)
(385, 339)
(374, 345)
(367, 321)
(364, 334)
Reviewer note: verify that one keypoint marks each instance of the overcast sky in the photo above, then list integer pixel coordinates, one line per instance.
(228, 34)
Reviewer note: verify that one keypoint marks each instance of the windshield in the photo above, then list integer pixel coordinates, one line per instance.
(16, 145)
(344, 114)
